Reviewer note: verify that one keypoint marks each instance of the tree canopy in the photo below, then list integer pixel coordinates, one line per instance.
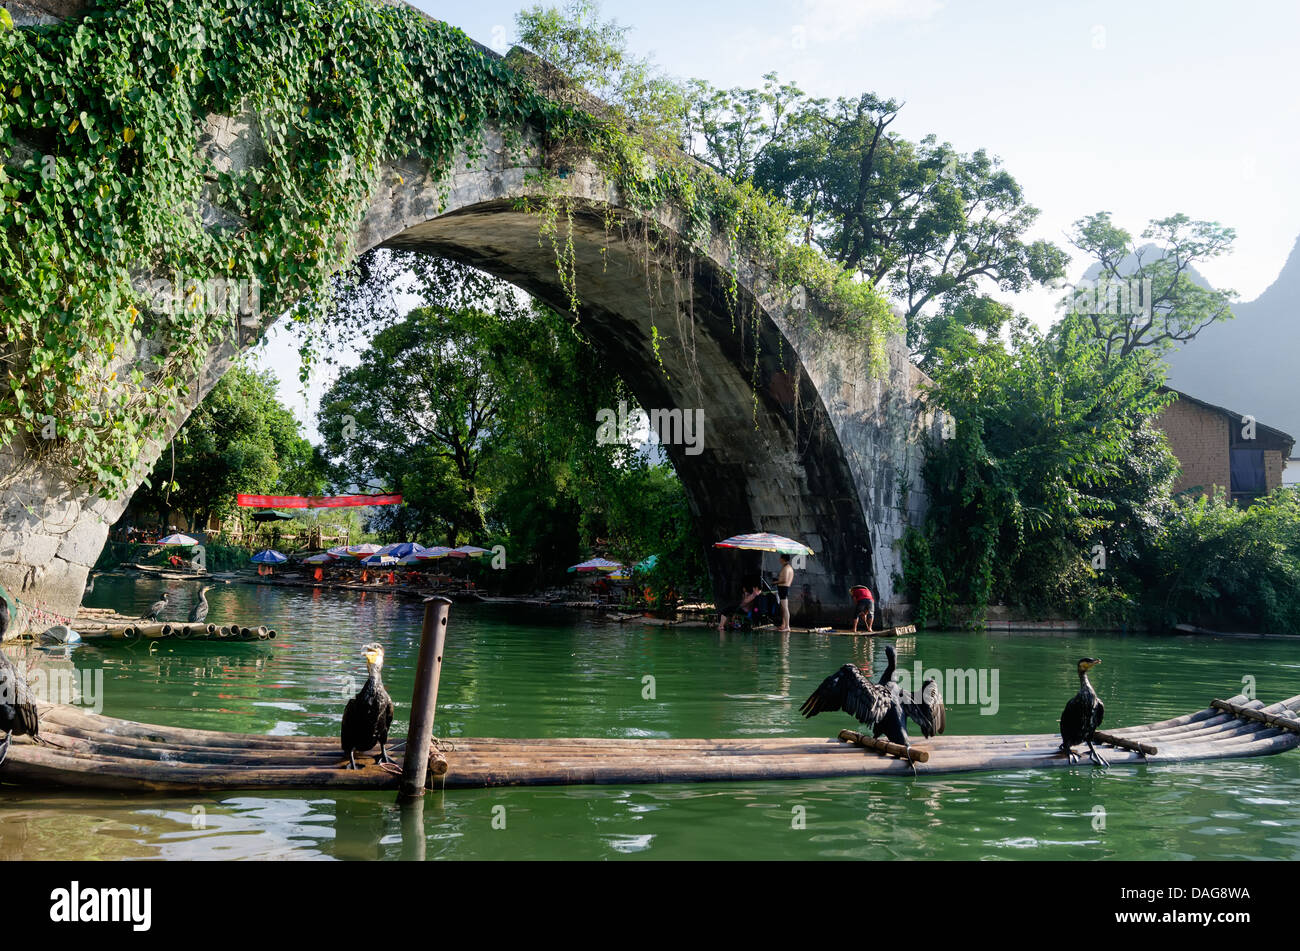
(239, 439)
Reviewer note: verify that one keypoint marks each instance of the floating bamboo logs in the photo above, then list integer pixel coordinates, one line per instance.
(424, 699)
(95, 752)
(179, 631)
(1245, 713)
(1123, 743)
(884, 746)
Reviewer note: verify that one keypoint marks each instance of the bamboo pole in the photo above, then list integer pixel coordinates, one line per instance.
(884, 746)
(1123, 743)
(424, 698)
(1272, 719)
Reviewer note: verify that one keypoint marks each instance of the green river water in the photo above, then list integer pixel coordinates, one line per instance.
(552, 674)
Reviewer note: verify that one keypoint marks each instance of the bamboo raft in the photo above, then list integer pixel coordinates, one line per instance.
(105, 626)
(900, 630)
(177, 631)
(91, 751)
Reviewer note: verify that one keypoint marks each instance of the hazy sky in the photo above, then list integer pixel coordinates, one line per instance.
(1139, 108)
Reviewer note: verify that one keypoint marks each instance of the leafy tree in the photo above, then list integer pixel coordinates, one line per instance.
(588, 57)
(239, 439)
(1049, 454)
(481, 410)
(419, 414)
(732, 130)
(1173, 308)
(921, 218)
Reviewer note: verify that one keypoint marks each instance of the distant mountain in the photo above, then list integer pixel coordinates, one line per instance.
(1251, 364)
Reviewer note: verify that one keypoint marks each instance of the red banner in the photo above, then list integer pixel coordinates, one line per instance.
(318, 502)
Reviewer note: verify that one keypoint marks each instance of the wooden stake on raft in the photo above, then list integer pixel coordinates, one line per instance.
(1124, 743)
(1245, 713)
(884, 746)
(424, 698)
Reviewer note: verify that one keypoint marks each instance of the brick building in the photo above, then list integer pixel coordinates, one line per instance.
(1220, 447)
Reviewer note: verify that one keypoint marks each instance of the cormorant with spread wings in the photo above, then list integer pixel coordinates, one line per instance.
(877, 705)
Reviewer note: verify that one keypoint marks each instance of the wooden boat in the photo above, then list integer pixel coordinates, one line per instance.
(97, 752)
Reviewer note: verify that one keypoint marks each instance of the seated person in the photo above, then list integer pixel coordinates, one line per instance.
(740, 612)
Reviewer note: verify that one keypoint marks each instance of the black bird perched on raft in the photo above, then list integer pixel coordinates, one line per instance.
(200, 610)
(875, 705)
(1082, 715)
(928, 713)
(155, 609)
(17, 709)
(369, 714)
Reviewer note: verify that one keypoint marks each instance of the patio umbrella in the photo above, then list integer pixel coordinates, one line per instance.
(178, 539)
(596, 564)
(376, 560)
(401, 549)
(412, 560)
(340, 552)
(361, 551)
(433, 553)
(765, 541)
(317, 560)
(269, 556)
(473, 551)
(272, 516)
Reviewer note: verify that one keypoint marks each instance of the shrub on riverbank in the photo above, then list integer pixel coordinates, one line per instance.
(1226, 567)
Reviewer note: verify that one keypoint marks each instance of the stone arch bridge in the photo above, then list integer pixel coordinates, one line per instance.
(820, 449)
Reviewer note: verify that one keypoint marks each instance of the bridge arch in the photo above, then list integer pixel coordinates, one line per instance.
(800, 437)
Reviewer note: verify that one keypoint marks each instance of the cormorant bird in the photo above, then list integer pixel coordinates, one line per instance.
(875, 705)
(369, 714)
(17, 708)
(155, 609)
(200, 610)
(928, 713)
(1082, 715)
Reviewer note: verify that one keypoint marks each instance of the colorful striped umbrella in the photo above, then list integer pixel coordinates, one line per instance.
(340, 552)
(765, 541)
(596, 564)
(401, 550)
(473, 551)
(433, 553)
(317, 560)
(377, 560)
(361, 551)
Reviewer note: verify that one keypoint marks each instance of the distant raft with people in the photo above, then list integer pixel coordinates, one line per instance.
(89, 751)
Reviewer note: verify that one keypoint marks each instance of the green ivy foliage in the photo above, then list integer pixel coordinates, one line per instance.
(105, 183)
(105, 189)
